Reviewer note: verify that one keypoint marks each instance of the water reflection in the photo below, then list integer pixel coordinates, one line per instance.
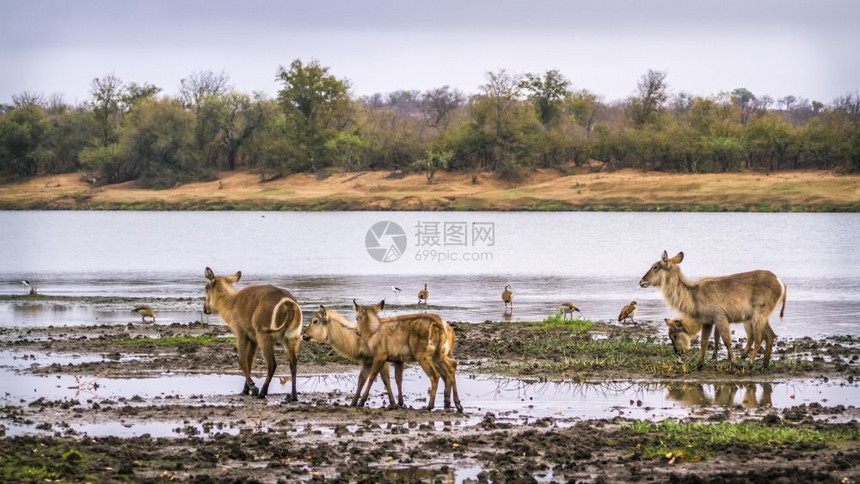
(749, 395)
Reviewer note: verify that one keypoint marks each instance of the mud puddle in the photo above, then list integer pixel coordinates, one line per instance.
(512, 401)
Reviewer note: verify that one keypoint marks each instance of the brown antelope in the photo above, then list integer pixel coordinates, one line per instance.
(568, 308)
(628, 311)
(682, 332)
(423, 294)
(508, 297)
(259, 316)
(424, 338)
(144, 312)
(330, 327)
(748, 297)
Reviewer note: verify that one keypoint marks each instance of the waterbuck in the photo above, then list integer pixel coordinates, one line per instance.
(259, 316)
(330, 327)
(682, 332)
(424, 338)
(748, 297)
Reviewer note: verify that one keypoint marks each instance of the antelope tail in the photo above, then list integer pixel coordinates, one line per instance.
(784, 296)
(296, 314)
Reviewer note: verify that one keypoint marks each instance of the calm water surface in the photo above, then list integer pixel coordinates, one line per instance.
(592, 259)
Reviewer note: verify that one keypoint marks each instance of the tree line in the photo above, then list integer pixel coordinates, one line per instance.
(514, 123)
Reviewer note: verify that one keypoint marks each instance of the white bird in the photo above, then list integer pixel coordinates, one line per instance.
(32, 285)
(396, 291)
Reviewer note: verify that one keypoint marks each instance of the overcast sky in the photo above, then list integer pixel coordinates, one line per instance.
(806, 48)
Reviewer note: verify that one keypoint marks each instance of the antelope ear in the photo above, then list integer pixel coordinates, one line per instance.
(665, 256)
(668, 322)
(209, 274)
(677, 259)
(380, 306)
(322, 311)
(355, 304)
(235, 277)
(679, 324)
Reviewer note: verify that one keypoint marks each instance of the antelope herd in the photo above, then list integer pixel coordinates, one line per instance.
(260, 316)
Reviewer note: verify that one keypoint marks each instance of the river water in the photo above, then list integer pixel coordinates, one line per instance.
(592, 259)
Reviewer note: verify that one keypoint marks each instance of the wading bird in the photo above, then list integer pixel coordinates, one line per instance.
(628, 311)
(568, 308)
(145, 311)
(423, 295)
(508, 297)
(32, 285)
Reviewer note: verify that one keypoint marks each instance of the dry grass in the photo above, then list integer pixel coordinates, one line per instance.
(542, 190)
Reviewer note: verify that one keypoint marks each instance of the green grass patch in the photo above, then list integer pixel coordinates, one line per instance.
(698, 441)
(178, 340)
(578, 325)
(275, 193)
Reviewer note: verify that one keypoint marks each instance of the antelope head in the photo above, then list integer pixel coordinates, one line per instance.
(660, 270)
(678, 335)
(318, 329)
(368, 316)
(218, 287)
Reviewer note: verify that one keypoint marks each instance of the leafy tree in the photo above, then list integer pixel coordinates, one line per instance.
(158, 145)
(770, 140)
(546, 93)
(317, 105)
(24, 136)
(651, 95)
(347, 150)
(106, 95)
(135, 93)
(746, 102)
(239, 119)
(203, 93)
(432, 161)
(584, 107)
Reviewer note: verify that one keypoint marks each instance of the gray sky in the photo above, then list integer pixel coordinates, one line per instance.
(805, 48)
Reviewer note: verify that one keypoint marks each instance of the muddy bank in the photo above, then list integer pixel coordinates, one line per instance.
(144, 402)
(583, 351)
(369, 449)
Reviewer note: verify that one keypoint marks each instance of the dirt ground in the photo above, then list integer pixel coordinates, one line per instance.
(545, 189)
(238, 438)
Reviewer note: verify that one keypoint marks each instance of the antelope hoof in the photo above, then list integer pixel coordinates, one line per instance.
(459, 407)
(429, 407)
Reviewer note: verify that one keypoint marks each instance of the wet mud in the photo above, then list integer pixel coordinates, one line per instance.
(149, 402)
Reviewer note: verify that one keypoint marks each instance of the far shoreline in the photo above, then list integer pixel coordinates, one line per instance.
(808, 191)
